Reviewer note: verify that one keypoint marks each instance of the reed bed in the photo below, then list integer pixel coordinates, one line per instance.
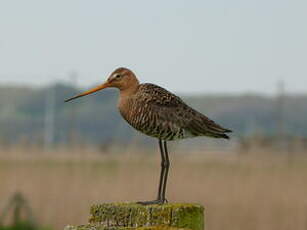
(259, 191)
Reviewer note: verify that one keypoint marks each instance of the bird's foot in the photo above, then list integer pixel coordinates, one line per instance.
(158, 201)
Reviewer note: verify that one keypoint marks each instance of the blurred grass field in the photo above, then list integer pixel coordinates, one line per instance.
(258, 191)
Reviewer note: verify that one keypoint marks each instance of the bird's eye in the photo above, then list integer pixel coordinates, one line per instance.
(117, 76)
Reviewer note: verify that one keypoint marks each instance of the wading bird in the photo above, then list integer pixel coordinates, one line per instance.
(158, 113)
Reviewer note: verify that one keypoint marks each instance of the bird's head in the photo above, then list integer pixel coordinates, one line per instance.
(121, 78)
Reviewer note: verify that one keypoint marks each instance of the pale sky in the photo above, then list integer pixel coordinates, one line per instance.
(186, 46)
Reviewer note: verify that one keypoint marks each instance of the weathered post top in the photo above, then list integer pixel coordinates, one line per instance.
(129, 216)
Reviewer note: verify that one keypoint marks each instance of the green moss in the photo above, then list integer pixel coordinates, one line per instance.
(177, 215)
(188, 217)
(99, 227)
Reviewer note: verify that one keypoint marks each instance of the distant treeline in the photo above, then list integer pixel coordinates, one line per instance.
(95, 119)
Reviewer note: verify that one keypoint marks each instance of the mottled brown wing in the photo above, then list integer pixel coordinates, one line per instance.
(170, 110)
(156, 95)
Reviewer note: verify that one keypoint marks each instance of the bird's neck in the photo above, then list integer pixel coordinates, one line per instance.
(126, 98)
(126, 94)
(129, 91)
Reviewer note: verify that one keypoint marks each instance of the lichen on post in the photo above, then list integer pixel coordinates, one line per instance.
(130, 216)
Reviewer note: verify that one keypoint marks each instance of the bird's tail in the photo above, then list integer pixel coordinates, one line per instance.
(218, 131)
(209, 128)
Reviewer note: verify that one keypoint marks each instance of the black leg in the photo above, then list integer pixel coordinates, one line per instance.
(166, 167)
(164, 171)
(160, 192)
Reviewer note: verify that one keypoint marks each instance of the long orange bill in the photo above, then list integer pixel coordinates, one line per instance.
(103, 86)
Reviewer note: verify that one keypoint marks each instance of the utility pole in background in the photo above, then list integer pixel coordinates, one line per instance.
(49, 119)
(73, 77)
(283, 143)
(280, 111)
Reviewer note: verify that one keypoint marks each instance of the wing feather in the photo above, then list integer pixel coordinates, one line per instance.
(174, 112)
